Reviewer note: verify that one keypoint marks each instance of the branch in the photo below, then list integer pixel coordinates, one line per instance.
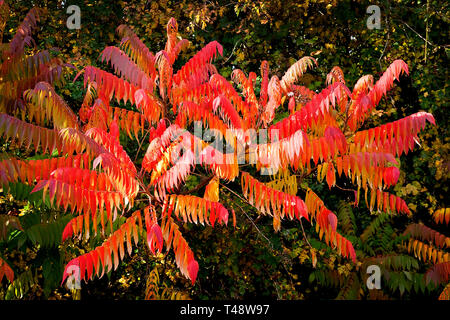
(421, 37)
(248, 217)
(203, 183)
(232, 52)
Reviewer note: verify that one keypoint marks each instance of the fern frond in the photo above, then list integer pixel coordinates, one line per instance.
(47, 234)
(395, 262)
(152, 285)
(172, 294)
(351, 290)
(374, 225)
(152, 290)
(328, 278)
(404, 281)
(347, 218)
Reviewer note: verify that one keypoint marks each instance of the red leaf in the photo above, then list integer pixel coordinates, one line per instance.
(193, 270)
(332, 220)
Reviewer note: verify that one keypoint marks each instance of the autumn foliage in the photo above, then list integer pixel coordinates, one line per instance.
(88, 172)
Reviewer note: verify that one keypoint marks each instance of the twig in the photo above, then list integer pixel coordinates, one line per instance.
(387, 41)
(199, 186)
(304, 235)
(420, 36)
(248, 217)
(140, 145)
(344, 189)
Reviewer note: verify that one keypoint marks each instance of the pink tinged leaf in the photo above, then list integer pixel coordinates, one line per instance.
(156, 231)
(150, 242)
(223, 215)
(332, 220)
(114, 129)
(302, 208)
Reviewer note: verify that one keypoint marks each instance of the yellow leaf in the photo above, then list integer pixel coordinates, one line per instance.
(212, 190)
